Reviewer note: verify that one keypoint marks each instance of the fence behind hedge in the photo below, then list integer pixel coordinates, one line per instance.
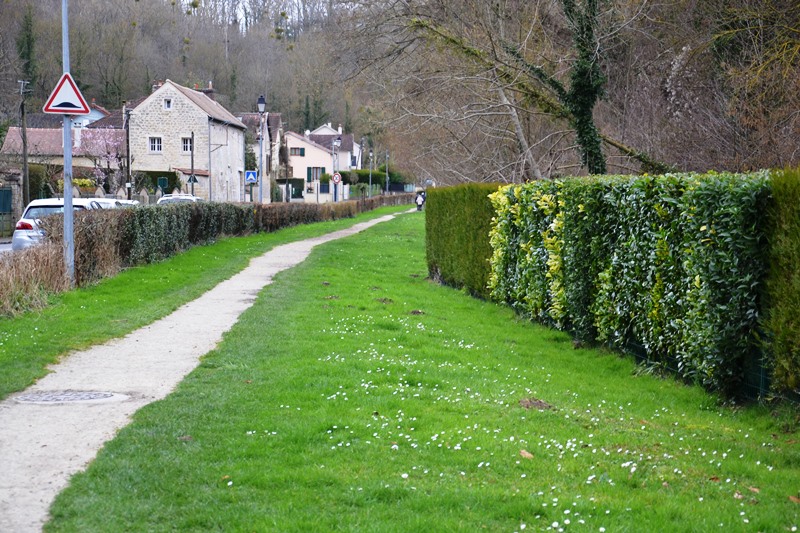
(673, 266)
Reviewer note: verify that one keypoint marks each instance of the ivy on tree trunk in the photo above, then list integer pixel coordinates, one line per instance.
(586, 82)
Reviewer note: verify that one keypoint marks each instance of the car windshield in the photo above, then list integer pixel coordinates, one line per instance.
(41, 211)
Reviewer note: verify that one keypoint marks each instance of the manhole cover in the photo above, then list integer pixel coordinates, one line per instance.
(67, 396)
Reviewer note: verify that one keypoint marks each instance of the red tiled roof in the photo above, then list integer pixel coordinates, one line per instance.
(188, 171)
(50, 142)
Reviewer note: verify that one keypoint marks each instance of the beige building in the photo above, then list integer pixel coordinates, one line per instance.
(308, 161)
(175, 125)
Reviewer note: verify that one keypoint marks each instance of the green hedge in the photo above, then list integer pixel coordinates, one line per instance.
(671, 264)
(378, 176)
(782, 316)
(457, 221)
(107, 241)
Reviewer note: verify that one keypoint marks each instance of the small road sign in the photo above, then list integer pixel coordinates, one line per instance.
(66, 99)
(250, 176)
(337, 178)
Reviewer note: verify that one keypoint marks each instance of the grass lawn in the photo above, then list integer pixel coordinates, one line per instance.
(356, 395)
(134, 298)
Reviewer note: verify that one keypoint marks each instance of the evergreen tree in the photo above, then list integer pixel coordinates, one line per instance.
(26, 47)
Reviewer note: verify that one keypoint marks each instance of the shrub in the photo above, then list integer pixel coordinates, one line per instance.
(107, 241)
(782, 295)
(28, 277)
(457, 246)
(671, 264)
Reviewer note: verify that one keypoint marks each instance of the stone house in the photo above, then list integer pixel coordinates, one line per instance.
(175, 126)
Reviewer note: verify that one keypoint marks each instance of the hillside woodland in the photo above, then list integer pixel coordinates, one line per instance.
(458, 90)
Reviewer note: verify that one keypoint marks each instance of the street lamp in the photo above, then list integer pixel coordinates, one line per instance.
(262, 107)
(387, 171)
(337, 142)
(370, 173)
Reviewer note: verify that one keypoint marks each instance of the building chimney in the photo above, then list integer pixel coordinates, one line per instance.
(340, 129)
(157, 84)
(209, 92)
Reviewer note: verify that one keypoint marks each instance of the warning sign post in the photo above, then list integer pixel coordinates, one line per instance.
(66, 98)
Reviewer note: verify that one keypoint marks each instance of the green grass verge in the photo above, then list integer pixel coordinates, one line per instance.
(134, 298)
(355, 395)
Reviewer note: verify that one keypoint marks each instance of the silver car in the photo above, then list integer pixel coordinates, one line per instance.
(27, 232)
(177, 199)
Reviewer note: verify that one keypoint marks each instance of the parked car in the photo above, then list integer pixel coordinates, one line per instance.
(177, 199)
(128, 203)
(27, 232)
(107, 203)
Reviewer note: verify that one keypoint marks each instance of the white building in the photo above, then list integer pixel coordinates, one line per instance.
(308, 161)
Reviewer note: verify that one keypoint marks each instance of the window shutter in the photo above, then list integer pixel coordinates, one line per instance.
(302, 152)
(323, 171)
(308, 174)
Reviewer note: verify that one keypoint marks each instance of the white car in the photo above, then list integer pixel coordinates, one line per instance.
(177, 199)
(27, 232)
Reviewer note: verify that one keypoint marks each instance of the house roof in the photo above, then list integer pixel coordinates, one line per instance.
(251, 120)
(213, 109)
(43, 120)
(188, 171)
(327, 140)
(50, 120)
(303, 138)
(116, 119)
(49, 142)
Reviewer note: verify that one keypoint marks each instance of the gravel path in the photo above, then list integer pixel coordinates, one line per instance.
(55, 428)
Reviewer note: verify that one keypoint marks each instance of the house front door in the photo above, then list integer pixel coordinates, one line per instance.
(6, 220)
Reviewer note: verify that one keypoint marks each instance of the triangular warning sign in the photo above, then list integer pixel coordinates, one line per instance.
(66, 99)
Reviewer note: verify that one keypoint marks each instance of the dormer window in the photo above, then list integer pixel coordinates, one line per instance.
(167, 103)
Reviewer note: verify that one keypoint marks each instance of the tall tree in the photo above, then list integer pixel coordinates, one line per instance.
(26, 46)
(523, 71)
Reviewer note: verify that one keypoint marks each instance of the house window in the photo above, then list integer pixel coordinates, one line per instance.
(155, 144)
(167, 103)
(297, 151)
(186, 144)
(314, 173)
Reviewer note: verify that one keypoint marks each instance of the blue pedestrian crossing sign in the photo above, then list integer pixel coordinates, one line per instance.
(250, 176)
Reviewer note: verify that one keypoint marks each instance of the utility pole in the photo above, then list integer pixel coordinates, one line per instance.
(26, 182)
(192, 179)
(387, 171)
(127, 118)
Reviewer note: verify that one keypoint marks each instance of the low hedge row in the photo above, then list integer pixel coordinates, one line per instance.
(107, 241)
(694, 271)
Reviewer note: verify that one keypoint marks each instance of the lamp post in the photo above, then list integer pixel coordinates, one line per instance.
(387, 171)
(337, 142)
(370, 172)
(262, 107)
